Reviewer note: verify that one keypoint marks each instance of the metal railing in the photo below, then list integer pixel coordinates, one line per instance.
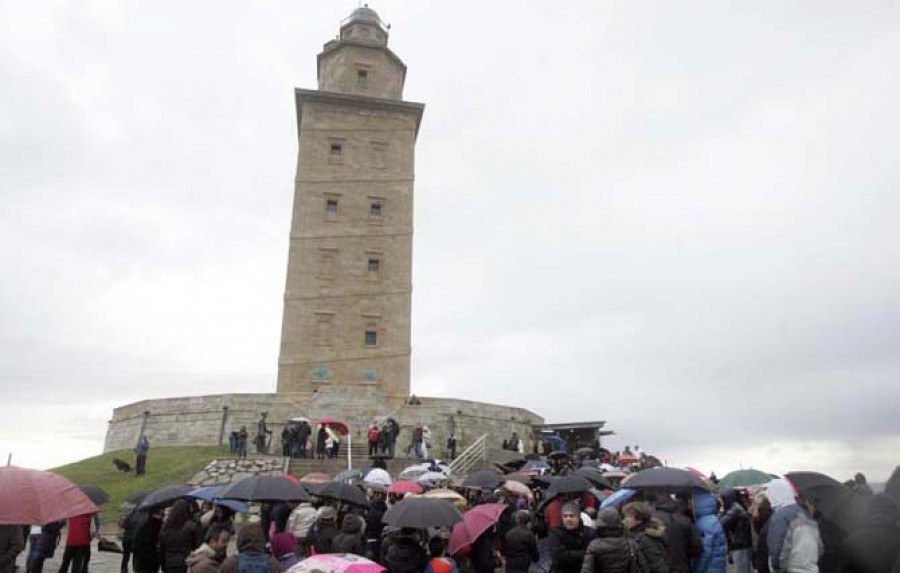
(476, 453)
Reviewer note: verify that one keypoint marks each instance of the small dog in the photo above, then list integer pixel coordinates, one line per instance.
(122, 465)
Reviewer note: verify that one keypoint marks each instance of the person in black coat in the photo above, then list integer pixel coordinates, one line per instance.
(520, 545)
(682, 541)
(569, 541)
(875, 547)
(178, 538)
(145, 557)
(650, 535)
(481, 555)
(761, 526)
(611, 551)
(350, 538)
(402, 552)
(374, 525)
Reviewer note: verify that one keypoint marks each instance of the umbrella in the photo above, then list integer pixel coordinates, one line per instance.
(433, 478)
(421, 513)
(569, 484)
(337, 563)
(558, 455)
(315, 477)
(265, 488)
(475, 522)
(518, 488)
(33, 496)
(667, 479)
(95, 494)
(627, 459)
(211, 494)
(298, 419)
(343, 492)
(341, 427)
(535, 466)
(584, 452)
(484, 479)
(521, 477)
(448, 494)
(349, 475)
(403, 487)
(533, 457)
(413, 472)
(378, 476)
(595, 477)
(744, 478)
(617, 498)
(165, 496)
(134, 500)
(836, 502)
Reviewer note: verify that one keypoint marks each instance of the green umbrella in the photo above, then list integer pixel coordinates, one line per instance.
(745, 478)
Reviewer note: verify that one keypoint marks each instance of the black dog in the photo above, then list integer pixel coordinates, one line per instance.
(122, 465)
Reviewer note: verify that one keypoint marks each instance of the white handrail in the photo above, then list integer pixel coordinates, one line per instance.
(464, 462)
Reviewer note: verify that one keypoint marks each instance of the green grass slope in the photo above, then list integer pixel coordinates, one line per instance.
(165, 466)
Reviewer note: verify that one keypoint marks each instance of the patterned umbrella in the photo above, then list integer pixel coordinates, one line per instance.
(336, 563)
(33, 496)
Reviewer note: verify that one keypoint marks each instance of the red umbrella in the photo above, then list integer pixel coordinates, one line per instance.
(404, 487)
(32, 496)
(341, 427)
(475, 522)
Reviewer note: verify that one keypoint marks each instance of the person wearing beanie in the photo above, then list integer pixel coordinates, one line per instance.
(321, 537)
(611, 551)
(520, 547)
(350, 538)
(569, 541)
(251, 555)
(284, 547)
(650, 535)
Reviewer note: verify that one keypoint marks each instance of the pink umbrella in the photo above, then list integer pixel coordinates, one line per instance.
(337, 563)
(334, 424)
(404, 487)
(33, 496)
(475, 522)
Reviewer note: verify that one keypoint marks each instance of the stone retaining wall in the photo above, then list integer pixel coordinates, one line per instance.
(219, 472)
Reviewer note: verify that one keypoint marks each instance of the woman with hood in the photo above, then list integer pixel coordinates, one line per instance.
(251, 555)
(569, 541)
(793, 537)
(350, 539)
(714, 555)
(403, 552)
(611, 551)
(650, 534)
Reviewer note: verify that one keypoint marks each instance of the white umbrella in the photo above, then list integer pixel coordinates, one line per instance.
(433, 478)
(413, 472)
(378, 476)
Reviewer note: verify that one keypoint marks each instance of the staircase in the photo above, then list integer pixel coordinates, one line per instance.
(472, 458)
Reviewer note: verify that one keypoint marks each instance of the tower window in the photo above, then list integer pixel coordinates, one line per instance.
(337, 150)
(371, 338)
(331, 206)
(375, 209)
(374, 266)
(362, 78)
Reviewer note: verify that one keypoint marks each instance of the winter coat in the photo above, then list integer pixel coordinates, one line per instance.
(350, 539)
(651, 539)
(374, 525)
(520, 549)
(612, 552)
(322, 535)
(176, 544)
(737, 524)
(568, 547)
(682, 540)
(204, 560)
(481, 554)
(11, 544)
(875, 547)
(251, 545)
(301, 520)
(794, 542)
(78, 530)
(143, 546)
(403, 554)
(714, 555)
(50, 535)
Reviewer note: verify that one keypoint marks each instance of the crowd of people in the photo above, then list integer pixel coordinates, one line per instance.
(768, 529)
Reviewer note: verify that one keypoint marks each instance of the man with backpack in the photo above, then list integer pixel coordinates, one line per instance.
(611, 551)
(793, 537)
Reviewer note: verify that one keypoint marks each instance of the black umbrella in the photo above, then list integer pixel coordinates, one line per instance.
(533, 457)
(421, 513)
(569, 484)
(558, 455)
(836, 502)
(484, 479)
(165, 496)
(585, 452)
(340, 491)
(265, 488)
(666, 479)
(95, 494)
(595, 477)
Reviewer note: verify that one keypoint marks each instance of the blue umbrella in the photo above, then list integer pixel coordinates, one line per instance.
(209, 494)
(535, 466)
(617, 498)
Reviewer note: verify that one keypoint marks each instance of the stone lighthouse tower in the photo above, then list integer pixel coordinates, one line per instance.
(347, 300)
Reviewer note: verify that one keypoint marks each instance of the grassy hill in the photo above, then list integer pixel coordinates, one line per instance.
(165, 466)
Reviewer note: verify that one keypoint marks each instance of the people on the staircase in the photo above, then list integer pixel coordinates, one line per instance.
(321, 438)
(286, 441)
(451, 446)
(372, 438)
(262, 433)
(242, 442)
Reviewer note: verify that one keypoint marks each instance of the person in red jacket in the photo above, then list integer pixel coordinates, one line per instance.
(78, 543)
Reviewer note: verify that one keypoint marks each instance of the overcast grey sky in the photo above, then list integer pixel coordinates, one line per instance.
(680, 217)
